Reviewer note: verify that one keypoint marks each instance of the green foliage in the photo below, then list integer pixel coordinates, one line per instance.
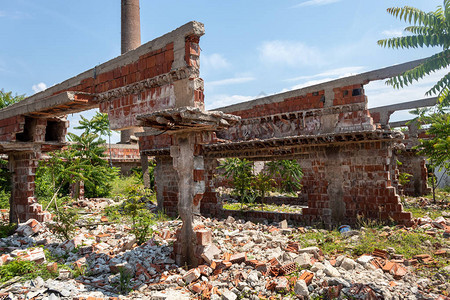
(240, 171)
(404, 178)
(25, 269)
(7, 230)
(64, 225)
(6, 98)
(135, 209)
(330, 242)
(404, 243)
(121, 184)
(4, 199)
(262, 184)
(99, 124)
(428, 29)
(290, 173)
(437, 146)
(124, 280)
(5, 185)
(83, 160)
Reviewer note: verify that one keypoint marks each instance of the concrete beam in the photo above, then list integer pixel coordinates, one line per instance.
(362, 78)
(71, 101)
(426, 102)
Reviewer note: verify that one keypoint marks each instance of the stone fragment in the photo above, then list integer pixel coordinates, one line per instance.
(36, 255)
(29, 228)
(348, 264)
(229, 295)
(230, 220)
(304, 260)
(238, 258)
(209, 253)
(191, 275)
(281, 284)
(301, 289)
(52, 267)
(204, 237)
(330, 270)
(336, 281)
(283, 224)
(364, 259)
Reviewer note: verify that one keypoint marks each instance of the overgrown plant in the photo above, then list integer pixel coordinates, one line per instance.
(135, 207)
(64, 223)
(240, 172)
(83, 160)
(290, 173)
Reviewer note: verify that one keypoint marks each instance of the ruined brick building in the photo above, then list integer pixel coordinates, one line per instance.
(347, 154)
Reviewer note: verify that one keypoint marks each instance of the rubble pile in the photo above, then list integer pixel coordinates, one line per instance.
(239, 260)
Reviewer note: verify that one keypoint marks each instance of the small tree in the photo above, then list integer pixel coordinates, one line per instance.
(7, 98)
(240, 171)
(290, 173)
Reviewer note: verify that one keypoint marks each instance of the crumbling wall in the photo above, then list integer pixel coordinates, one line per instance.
(23, 202)
(415, 165)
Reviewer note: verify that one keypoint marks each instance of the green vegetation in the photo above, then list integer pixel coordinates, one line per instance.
(83, 160)
(7, 98)
(428, 29)
(249, 186)
(330, 242)
(64, 225)
(25, 269)
(7, 229)
(135, 209)
(263, 207)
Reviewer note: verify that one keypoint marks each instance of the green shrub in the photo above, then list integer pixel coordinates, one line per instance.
(121, 184)
(4, 199)
(7, 230)
(134, 207)
(25, 269)
(64, 225)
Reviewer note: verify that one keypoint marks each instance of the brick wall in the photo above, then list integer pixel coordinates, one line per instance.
(166, 184)
(415, 165)
(24, 204)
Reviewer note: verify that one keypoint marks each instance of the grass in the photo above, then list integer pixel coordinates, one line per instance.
(330, 242)
(261, 207)
(420, 212)
(120, 184)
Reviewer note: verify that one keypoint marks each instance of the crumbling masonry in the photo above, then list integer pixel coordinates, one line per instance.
(349, 160)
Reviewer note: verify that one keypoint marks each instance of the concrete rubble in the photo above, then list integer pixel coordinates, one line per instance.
(240, 260)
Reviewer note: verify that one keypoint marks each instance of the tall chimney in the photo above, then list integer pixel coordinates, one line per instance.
(131, 25)
(130, 39)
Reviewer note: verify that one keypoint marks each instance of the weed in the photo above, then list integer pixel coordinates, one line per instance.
(7, 230)
(25, 269)
(64, 225)
(124, 280)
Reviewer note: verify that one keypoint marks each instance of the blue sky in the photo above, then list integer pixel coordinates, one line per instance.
(251, 47)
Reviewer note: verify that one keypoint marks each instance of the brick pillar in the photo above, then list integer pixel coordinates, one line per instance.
(23, 203)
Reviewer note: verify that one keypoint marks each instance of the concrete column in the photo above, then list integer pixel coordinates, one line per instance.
(130, 39)
(145, 174)
(183, 160)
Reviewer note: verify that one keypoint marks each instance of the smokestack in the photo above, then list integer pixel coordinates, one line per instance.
(130, 39)
(131, 25)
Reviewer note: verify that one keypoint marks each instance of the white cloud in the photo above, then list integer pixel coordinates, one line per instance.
(221, 100)
(214, 61)
(229, 81)
(289, 53)
(337, 73)
(39, 87)
(316, 3)
(393, 33)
